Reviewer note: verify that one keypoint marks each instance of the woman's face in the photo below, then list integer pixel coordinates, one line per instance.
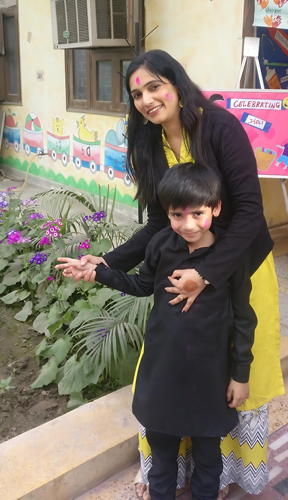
(156, 100)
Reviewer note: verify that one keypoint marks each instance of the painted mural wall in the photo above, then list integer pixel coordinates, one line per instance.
(87, 150)
(82, 150)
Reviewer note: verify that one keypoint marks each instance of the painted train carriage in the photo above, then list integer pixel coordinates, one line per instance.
(11, 133)
(11, 136)
(59, 148)
(86, 154)
(32, 135)
(115, 154)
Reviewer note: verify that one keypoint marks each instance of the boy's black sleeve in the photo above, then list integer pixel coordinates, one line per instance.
(131, 253)
(245, 322)
(140, 285)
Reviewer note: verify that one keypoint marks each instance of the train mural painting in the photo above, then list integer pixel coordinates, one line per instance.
(11, 132)
(86, 154)
(58, 148)
(33, 135)
(115, 154)
(82, 150)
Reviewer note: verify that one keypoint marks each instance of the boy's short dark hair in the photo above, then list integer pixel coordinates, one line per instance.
(189, 184)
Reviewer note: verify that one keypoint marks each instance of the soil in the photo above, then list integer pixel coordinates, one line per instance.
(23, 408)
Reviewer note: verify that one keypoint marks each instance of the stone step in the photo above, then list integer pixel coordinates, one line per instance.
(64, 458)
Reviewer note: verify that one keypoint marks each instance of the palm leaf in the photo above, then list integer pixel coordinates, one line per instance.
(103, 335)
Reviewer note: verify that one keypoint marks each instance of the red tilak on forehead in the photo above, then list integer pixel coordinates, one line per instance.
(138, 80)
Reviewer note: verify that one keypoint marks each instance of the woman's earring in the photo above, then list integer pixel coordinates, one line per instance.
(181, 103)
(145, 121)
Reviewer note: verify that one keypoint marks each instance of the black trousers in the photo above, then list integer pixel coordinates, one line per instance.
(162, 476)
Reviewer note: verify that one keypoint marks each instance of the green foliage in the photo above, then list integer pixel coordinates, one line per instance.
(4, 385)
(91, 334)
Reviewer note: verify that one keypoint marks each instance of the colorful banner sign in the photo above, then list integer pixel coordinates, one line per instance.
(264, 116)
(271, 13)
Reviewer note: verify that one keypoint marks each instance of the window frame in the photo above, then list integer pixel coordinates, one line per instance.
(15, 99)
(91, 105)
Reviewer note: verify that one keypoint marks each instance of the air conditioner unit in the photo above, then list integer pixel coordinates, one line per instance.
(91, 23)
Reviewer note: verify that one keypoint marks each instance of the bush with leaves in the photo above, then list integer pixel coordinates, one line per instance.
(90, 332)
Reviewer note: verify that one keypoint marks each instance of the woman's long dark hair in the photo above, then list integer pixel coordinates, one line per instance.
(144, 139)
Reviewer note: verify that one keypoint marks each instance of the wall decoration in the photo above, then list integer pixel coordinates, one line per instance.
(11, 132)
(86, 148)
(273, 58)
(58, 126)
(32, 135)
(75, 160)
(58, 144)
(264, 116)
(271, 13)
(115, 154)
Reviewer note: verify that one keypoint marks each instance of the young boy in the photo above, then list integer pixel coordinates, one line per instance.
(195, 364)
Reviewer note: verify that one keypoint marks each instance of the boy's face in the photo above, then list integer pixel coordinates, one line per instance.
(192, 223)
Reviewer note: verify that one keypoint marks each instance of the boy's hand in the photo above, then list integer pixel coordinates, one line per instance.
(83, 269)
(237, 393)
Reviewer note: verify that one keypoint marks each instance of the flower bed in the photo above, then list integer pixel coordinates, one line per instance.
(89, 332)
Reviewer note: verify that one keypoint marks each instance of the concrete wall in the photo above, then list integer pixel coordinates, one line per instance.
(47, 100)
(206, 37)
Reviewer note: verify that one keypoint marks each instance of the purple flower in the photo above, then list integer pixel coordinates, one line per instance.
(10, 188)
(85, 244)
(36, 216)
(52, 228)
(95, 217)
(123, 294)
(38, 258)
(80, 256)
(50, 278)
(29, 202)
(13, 236)
(44, 241)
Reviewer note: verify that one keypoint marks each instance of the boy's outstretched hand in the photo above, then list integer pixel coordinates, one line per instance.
(237, 393)
(73, 268)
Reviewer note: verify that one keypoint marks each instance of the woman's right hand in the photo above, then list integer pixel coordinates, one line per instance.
(83, 269)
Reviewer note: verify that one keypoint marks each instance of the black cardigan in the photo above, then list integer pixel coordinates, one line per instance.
(230, 154)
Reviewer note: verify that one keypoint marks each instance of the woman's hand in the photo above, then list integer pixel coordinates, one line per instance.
(237, 394)
(80, 269)
(188, 284)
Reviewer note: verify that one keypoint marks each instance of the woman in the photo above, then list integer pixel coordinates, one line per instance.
(170, 121)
